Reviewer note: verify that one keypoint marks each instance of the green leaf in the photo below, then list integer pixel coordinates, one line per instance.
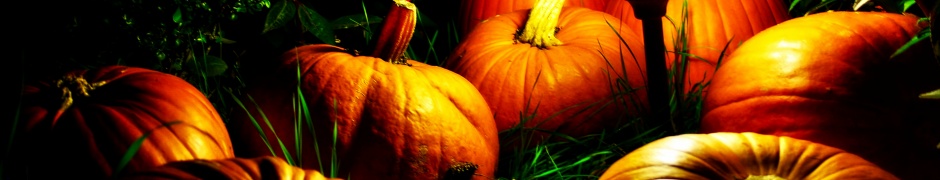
(316, 24)
(207, 65)
(923, 35)
(357, 20)
(178, 16)
(935, 94)
(905, 4)
(281, 13)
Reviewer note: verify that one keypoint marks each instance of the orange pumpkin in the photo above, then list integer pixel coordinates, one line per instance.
(266, 167)
(565, 77)
(383, 119)
(86, 121)
(741, 156)
(472, 12)
(711, 25)
(829, 78)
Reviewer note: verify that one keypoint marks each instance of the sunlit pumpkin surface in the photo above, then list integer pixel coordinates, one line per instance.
(741, 156)
(568, 88)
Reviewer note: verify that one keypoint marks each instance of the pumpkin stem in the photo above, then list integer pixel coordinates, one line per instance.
(396, 33)
(72, 84)
(542, 25)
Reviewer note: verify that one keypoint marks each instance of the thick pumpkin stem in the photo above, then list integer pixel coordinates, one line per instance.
(396, 32)
(73, 86)
(541, 27)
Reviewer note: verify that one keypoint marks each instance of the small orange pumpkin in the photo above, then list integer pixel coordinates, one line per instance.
(746, 155)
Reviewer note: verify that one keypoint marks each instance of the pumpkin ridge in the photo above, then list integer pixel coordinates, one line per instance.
(153, 129)
(712, 140)
(773, 97)
(693, 158)
(843, 171)
(93, 143)
(121, 144)
(715, 144)
(869, 44)
(816, 152)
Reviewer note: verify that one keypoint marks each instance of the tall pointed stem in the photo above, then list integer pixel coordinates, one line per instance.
(396, 32)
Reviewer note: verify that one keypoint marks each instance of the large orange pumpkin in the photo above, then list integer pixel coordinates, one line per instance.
(564, 76)
(472, 12)
(383, 119)
(710, 26)
(742, 156)
(260, 168)
(829, 78)
(86, 121)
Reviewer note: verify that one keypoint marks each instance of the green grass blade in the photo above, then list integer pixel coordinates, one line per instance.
(921, 36)
(135, 146)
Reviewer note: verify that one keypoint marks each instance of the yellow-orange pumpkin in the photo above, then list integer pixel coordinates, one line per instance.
(390, 118)
(564, 78)
(740, 156)
(86, 121)
(829, 78)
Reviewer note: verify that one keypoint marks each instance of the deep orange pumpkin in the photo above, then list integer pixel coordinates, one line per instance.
(567, 87)
(265, 167)
(741, 156)
(87, 120)
(472, 12)
(391, 118)
(710, 26)
(829, 78)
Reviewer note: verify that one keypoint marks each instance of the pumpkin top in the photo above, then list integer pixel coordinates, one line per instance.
(727, 155)
(542, 25)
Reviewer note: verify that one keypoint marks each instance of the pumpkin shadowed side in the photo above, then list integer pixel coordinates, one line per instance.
(86, 121)
(830, 78)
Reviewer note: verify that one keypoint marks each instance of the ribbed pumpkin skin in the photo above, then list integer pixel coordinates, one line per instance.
(827, 78)
(92, 135)
(573, 80)
(258, 168)
(739, 155)
(392, 121)
(472, 12)
(710, 26)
